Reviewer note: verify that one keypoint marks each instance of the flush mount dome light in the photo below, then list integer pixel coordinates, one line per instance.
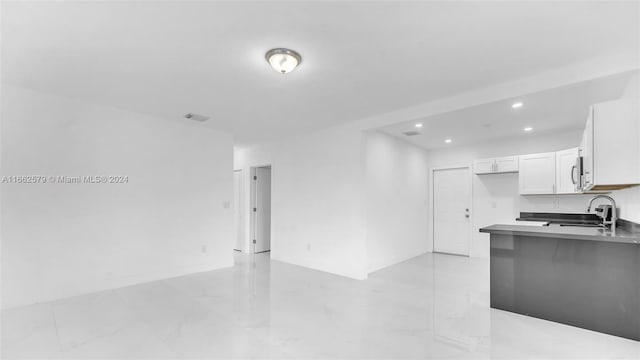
(283, 60)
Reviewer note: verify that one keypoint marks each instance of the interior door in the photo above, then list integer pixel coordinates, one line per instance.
(452, 211)
(238, 209)
(262, 209)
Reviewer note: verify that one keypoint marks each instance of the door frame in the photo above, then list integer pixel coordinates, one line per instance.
(240, 208)
(252, 202)
(432, 205)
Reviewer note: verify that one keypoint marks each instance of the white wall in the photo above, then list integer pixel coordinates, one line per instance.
(342, 201)
(318, 210)
(60, 240)
(397, 176)
(628, 202)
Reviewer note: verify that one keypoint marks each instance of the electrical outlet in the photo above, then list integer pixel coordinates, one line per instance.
(204, 249)
(226, 204)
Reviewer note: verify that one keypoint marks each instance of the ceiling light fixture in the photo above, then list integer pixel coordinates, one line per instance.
(283, 60)
(448, 141)
(517, 105)
(528, 128)
(418, 125)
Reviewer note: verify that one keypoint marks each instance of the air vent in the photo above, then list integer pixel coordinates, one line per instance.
(411, 133)
(196, 117)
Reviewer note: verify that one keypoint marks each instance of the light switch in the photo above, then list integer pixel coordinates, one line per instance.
(226, 204)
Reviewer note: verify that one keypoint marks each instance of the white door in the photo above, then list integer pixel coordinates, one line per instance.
(566, 172)
(262, 209)
(452, 211)
(238, 209)
(537, 173)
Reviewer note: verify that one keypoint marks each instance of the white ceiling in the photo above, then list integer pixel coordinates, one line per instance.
(359, 58)
(558, 109)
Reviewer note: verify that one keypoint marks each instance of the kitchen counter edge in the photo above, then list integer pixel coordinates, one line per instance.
(567, 232)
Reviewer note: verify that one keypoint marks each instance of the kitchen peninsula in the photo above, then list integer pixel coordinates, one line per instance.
(572, 273)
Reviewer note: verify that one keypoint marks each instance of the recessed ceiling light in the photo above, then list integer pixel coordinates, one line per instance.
(517, 105)
(528, 128)
(448, 141)
(283, 60)
(419, 125)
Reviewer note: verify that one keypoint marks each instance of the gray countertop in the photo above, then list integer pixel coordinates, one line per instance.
(566, 232)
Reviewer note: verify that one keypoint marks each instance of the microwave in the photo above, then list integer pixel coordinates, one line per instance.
(577, 174)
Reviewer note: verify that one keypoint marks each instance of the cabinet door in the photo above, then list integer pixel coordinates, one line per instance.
(483, 166)
(615, 143)
(537, 173)
(506, 164)
(566, 172)
(587, 152)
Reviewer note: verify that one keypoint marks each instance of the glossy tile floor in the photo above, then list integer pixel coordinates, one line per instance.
(432, 306)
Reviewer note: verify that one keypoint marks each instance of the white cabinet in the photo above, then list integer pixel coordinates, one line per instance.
(484, 166)
(496, 165)
(537, 173)
(610, 147)
(507, 164)
(566, 172)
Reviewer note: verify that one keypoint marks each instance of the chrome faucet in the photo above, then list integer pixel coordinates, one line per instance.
(614, 213)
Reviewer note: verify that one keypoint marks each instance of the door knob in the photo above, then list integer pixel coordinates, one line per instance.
(466, 215)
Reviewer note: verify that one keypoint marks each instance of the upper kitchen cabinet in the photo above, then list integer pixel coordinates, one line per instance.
(499, 165)
(567, 176)
(549, 173)
(507, 164)
(483, 166)
(610, 146)
(537, 173)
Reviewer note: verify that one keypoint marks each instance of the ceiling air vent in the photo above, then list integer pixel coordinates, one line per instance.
(411, 133)
(196, 117)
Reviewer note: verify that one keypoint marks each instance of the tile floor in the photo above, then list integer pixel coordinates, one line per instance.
(432, 306)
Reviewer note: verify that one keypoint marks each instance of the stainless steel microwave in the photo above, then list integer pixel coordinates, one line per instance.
(577, 174)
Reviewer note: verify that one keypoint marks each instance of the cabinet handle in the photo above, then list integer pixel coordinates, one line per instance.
(573, 172)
